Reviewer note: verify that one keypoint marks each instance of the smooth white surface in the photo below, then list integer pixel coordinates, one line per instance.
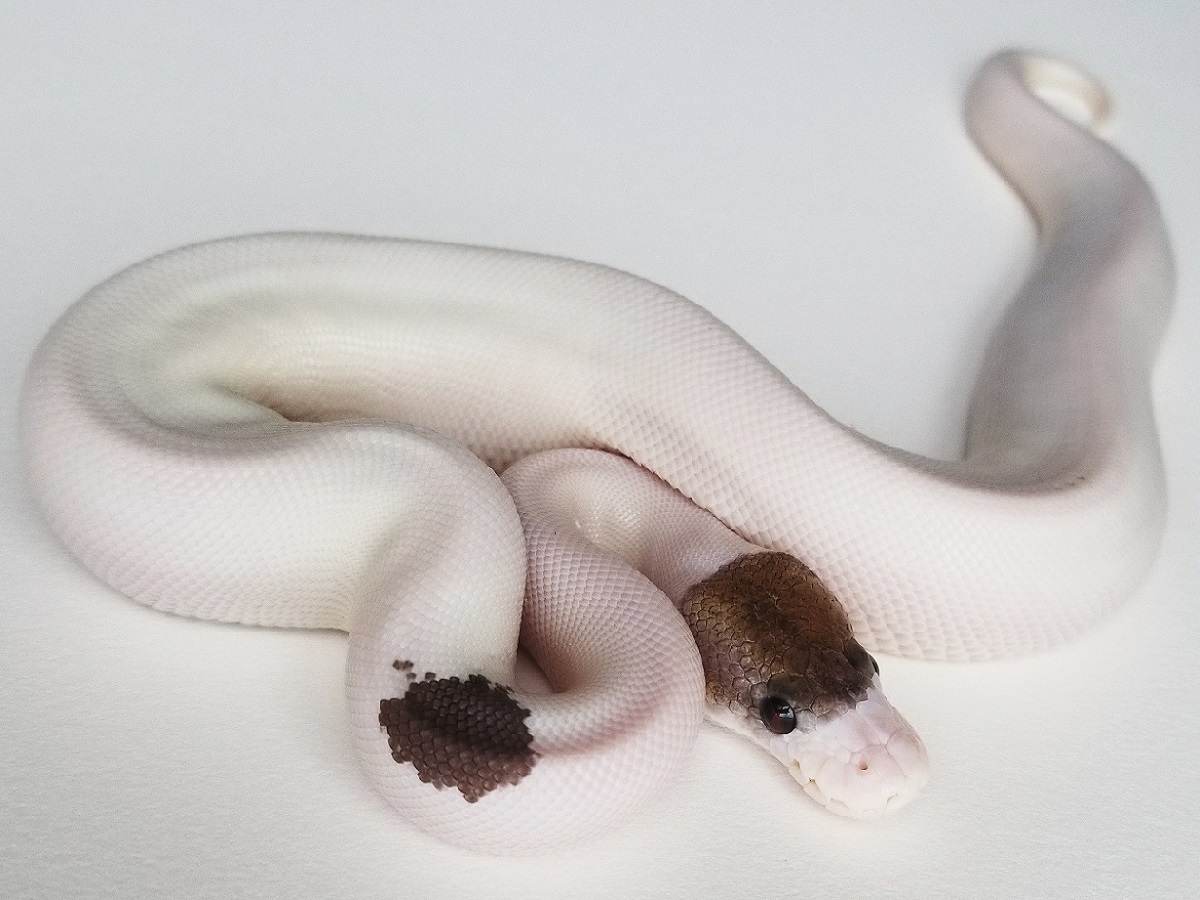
(827, 148)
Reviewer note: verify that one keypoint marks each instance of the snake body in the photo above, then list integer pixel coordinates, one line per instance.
(306, 430)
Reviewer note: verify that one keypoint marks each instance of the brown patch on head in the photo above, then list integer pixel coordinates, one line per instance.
(767, 627)
(469, 735)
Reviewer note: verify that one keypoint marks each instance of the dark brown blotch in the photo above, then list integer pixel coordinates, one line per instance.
(766, 625)
(466, 734)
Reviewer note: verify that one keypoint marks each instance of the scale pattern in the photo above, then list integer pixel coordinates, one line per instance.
(468, 734)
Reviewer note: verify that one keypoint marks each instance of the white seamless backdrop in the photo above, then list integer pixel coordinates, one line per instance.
(798, 168)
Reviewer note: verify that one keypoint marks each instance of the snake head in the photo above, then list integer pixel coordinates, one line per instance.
(782, 667)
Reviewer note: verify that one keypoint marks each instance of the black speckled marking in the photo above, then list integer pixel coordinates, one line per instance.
(467, 734)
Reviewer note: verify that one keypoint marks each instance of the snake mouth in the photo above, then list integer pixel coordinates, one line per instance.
(883, 804)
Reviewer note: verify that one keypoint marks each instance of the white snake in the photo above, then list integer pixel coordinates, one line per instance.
(288, 430)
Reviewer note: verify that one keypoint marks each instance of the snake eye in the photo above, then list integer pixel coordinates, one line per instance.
(778, 715)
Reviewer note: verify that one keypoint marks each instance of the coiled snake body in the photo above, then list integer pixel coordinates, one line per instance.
(305, 431)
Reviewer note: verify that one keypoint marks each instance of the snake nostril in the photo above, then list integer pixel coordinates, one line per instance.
(863, 765)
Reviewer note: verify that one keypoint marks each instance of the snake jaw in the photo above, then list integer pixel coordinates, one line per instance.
(861, 763)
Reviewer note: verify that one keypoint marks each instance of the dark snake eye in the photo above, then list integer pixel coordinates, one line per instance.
(778, 715)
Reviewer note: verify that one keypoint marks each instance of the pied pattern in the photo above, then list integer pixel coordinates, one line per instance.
(287, 430)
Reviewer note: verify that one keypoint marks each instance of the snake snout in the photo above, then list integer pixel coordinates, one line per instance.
(864, 763)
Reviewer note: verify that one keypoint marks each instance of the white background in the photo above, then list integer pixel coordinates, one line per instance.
(798, 168)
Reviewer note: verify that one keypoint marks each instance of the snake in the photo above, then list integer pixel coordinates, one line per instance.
(565, 514)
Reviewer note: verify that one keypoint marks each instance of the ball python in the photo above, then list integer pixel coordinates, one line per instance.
(449, 451)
